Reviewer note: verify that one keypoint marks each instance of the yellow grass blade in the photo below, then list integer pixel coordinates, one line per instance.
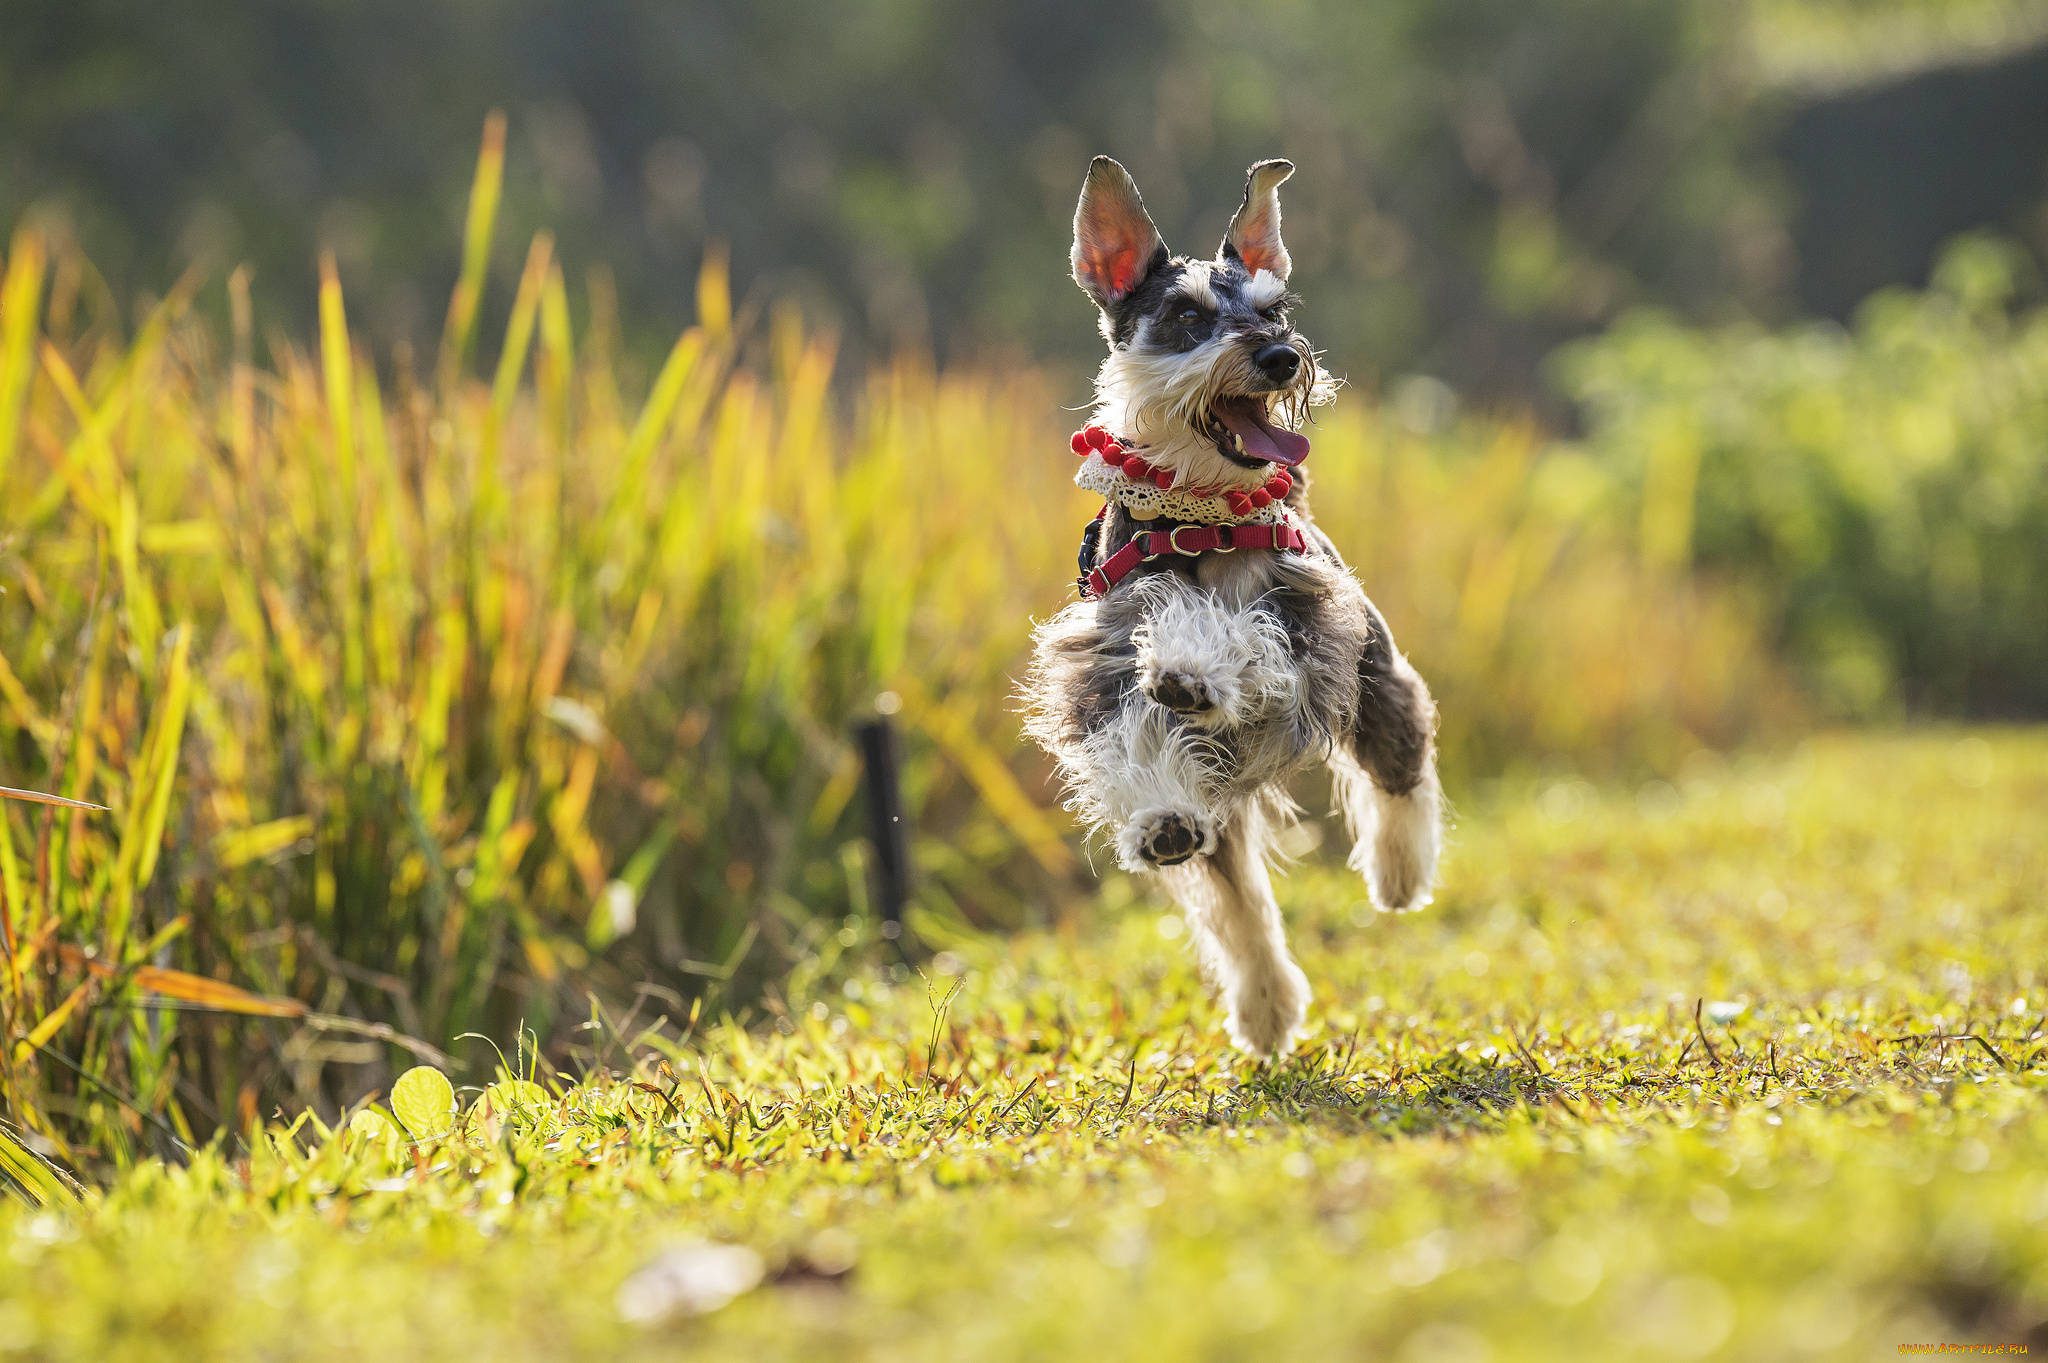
(145, 617)
(714, 292)
(653, 422)
(242, 380)
(90, 454)
(212, 994)
(181, 537)
(952, 728)
(451, 657)
(21, 291)
(490, 495)
(154, 776)
(338, 372)
(176, 700)
(476, 249)
(28, 1170)
(557, 363)
(12, 905)
(24, 706)
(242, 846)
(197, 990)
(52, 1024)
(519, 331)
(337, 368)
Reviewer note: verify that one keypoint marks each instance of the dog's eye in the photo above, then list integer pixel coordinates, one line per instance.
(1189, 316)
(1276, 313)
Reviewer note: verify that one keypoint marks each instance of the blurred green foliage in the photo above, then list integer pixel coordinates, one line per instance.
(1478, 179)
(1884, 488)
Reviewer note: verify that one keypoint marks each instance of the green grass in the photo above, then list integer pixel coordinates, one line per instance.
(1507, 1137)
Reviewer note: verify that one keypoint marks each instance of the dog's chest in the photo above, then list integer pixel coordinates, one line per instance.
(1237, 580)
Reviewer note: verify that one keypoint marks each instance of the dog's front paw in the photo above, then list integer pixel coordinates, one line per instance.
(1164, 837)
(1183, 693)
(1170, 842)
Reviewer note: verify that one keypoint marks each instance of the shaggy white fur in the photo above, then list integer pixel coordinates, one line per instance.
(1140, 772)
(1265, 290)
(1396, 839)
(1233, 665)
(1194, 282)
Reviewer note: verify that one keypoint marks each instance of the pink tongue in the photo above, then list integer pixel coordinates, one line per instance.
(1246, 419)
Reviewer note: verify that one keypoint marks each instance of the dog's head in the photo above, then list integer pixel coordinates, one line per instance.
(1206, 373)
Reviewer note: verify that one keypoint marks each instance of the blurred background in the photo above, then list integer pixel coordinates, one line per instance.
(1479, 180)
(458, 548)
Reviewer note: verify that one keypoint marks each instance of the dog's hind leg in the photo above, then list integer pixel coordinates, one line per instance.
(1386, 783)
(1243, 943)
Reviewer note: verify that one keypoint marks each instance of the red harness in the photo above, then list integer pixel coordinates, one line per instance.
(1189, 541)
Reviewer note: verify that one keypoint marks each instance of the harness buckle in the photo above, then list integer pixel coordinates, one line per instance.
(1149, 536)
(1173, 540)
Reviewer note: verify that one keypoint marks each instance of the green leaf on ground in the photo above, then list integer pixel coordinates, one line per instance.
(424, 1100)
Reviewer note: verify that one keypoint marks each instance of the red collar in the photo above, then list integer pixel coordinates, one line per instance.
(1188, 541)
(1241, 501)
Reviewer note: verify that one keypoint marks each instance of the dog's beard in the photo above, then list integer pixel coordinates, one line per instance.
(1164, 402)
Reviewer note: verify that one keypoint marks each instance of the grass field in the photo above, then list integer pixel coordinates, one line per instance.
(1744, 1066)
(422, 705)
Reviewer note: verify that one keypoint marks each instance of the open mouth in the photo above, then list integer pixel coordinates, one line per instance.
(1250, 438)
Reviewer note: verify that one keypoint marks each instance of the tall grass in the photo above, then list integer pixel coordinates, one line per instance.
(422, 708)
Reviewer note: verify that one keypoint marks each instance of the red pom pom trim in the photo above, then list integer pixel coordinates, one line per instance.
(1094, 439)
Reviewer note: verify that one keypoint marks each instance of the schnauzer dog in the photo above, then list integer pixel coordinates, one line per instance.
(1221, 644)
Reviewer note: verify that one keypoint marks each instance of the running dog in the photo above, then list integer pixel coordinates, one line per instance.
(1221, 644)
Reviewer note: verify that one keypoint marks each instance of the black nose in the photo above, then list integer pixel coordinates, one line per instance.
(1279, 363)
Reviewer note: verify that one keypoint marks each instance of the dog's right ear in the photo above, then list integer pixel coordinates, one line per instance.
(1115, 243)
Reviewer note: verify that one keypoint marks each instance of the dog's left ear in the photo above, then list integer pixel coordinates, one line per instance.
(1254, 235)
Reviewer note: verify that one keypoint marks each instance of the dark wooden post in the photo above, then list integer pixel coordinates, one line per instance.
(889, 826)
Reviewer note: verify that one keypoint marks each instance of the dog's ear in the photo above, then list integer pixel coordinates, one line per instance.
(1254, 235)
(1115, 243)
